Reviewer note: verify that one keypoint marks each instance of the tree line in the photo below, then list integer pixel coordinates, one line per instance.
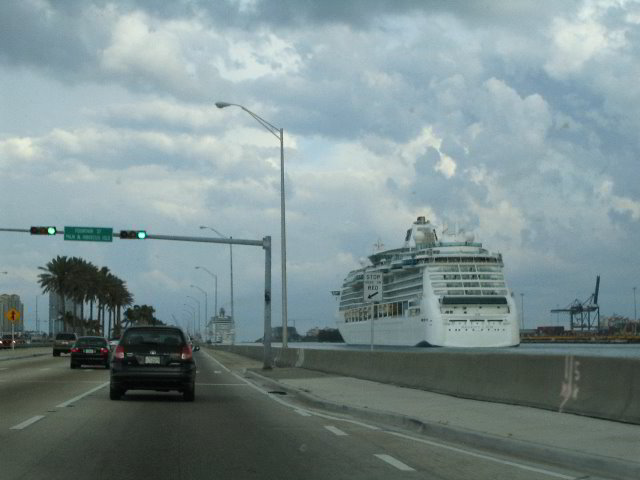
(75, 279)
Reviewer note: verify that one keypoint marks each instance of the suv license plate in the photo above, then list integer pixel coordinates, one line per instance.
(152, 360)
(88, 350)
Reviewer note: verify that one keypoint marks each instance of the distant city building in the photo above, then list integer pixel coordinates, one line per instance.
(7, 302)
(55, 318)
(313, 332)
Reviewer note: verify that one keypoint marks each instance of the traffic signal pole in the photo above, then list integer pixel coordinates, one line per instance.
(265, 243)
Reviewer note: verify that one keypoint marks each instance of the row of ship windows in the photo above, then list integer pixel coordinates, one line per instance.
(464, 259)
(467, 276)
(382, 310)
(469, 292)
(464, 268)
(469, 284)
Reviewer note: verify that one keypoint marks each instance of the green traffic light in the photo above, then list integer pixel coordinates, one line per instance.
(142, 234)
(51, 230)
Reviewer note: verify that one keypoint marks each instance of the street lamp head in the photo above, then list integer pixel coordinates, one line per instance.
(202, 227)
(223, 104)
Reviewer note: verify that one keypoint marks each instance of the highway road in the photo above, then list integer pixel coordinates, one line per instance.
(58, 423)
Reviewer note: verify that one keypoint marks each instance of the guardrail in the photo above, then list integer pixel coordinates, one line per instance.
(603, 387)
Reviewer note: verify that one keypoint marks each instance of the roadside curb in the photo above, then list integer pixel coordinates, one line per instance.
(588, 463)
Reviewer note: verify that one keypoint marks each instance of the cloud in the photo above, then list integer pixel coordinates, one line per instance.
(515, 119)
(581, 39)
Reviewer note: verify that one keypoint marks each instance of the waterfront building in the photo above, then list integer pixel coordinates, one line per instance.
(7, 302)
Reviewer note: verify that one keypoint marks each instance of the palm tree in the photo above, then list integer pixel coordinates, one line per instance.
(75, 278)
(56, 279)
(123, 298)
(78, 286)
(92, 289)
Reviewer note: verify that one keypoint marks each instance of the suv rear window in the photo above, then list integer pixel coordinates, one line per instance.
(157, 338)
(91, 342)
(65, 336)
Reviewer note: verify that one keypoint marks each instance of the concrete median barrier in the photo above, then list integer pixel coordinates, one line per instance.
(600, 387)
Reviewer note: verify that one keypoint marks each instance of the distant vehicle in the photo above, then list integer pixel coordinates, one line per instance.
(113, 342)
(90, 351)
(153, 358)
(6, 340)
(63, 343)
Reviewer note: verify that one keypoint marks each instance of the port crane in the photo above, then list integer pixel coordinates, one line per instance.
(584, 315)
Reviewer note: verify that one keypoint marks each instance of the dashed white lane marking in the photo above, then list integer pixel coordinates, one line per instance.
(336, 431)
(480, 455)
(45, 369)
(75, 399)
(303, 413)
(217, 371)
(4, 368)
(394, 462)
(26, 423)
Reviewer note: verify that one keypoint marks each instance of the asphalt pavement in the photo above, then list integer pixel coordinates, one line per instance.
(59, 423)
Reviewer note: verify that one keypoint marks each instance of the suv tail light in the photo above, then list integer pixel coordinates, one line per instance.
(119, 352)
(104, 350)
(186, 354)
(75, 350)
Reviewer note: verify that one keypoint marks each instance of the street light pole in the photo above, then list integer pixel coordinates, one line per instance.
(215, 277)
(279, 134)
(635, 312)
(233, 318)
(198, 302)
(206, 308)
(193, 315)
(522, 308)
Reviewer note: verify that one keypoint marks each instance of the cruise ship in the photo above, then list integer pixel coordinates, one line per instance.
(447, 291)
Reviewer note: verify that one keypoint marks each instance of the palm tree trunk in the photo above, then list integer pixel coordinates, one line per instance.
(84, 325)
(61, 312)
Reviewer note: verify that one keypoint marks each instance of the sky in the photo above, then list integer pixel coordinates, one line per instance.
(515, 120)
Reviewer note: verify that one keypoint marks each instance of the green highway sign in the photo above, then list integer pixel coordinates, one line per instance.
(88, 234)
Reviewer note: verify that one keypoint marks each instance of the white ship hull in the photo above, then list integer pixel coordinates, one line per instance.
(396, 331)
(448, 294)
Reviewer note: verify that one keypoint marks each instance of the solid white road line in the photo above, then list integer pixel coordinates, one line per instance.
(221, 365)
(289, 405)
(26, 423)
(408, 437)
(198, 384)
(75, 399)
(394, 462)
(485, 457)
(303, 413)
(336, 431)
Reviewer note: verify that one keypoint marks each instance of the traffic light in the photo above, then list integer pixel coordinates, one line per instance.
(133, 234)
(43, 230)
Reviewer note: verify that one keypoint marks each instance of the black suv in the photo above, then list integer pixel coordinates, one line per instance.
(153, 358)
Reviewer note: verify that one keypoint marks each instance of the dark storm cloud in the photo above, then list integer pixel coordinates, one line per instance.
(51, 36)
(356, 13)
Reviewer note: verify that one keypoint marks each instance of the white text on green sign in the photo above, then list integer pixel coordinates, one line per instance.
(88, 234)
